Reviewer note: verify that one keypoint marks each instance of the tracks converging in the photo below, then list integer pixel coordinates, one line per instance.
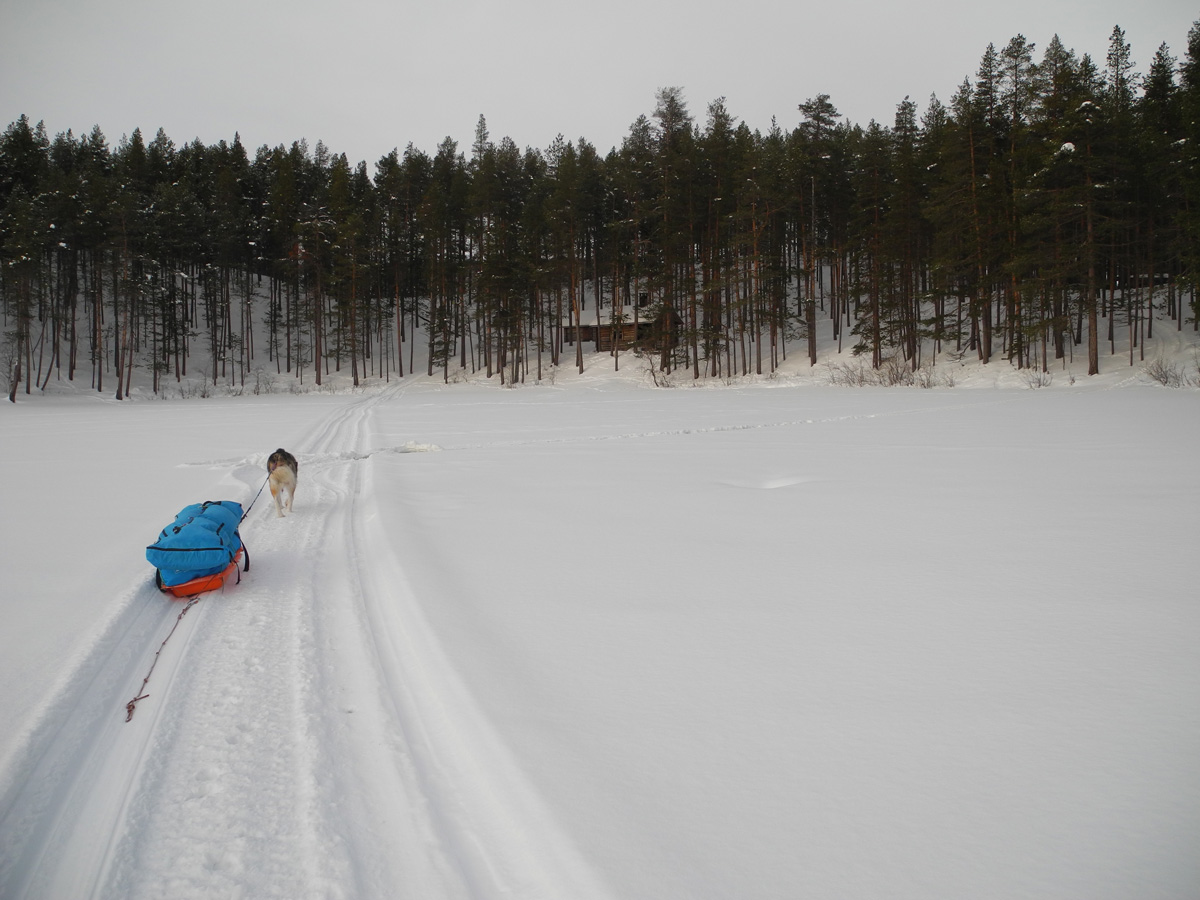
(93, 806)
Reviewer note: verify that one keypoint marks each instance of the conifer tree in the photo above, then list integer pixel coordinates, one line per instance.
(1189, 219)
(673, 236)
(820, 176)
(1158, 121)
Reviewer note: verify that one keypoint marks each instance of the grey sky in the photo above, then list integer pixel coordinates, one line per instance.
(366, 76)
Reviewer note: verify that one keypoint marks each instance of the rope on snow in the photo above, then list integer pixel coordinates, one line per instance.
(142, 696)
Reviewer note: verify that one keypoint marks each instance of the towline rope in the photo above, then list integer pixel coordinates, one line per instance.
(255, 500)
(129, 707)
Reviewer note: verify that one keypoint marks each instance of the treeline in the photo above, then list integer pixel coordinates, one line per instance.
(1052, 203)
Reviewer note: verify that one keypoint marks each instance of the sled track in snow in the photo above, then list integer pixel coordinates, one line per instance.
(77, 765)
(303, 734)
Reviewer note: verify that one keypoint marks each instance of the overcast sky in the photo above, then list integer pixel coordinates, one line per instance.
(367, 76)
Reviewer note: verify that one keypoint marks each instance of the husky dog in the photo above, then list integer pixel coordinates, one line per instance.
(283, 468)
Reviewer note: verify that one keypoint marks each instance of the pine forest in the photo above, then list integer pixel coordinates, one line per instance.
(1049, 208)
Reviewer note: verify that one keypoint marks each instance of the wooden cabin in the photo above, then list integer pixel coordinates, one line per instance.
(644, 333)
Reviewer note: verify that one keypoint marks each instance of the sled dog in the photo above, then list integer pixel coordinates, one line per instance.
(283, 469)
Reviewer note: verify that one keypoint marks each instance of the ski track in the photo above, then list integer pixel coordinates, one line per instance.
(244, 772)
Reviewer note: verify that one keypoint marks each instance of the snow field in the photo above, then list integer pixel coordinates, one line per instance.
(604, 641)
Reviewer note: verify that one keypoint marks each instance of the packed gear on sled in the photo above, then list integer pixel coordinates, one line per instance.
(200, 549)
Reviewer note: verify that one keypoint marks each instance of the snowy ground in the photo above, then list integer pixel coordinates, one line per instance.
(595, 640)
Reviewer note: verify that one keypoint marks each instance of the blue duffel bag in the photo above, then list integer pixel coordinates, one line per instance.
(202, 545)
